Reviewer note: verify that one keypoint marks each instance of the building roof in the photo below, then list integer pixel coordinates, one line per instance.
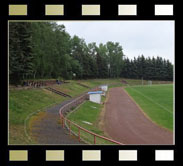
(95, 92)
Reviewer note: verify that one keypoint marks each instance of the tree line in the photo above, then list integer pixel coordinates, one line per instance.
(147, 68)
(41, 50)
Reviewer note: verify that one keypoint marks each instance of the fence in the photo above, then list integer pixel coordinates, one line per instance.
(63, 110)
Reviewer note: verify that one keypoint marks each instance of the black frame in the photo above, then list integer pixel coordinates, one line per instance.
(73, 153)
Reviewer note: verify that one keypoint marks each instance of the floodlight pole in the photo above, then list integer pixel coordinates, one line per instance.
(109, 70)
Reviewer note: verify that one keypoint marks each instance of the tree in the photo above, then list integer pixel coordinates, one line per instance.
(115, 56)
(46, 50)
(20, 51)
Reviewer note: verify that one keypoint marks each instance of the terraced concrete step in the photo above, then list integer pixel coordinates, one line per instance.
(83, 85)
(58, 92)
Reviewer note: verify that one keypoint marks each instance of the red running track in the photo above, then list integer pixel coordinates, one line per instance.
(125, 122)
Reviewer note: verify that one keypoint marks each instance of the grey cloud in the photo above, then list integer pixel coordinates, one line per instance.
(150, 38)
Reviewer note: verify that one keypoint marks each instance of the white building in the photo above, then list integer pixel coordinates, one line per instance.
(104, 88)
(95, 96)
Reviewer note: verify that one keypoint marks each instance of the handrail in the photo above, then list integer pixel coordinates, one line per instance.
(64, 119)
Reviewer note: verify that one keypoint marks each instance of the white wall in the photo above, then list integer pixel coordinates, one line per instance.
(104, 87)
(95, 98)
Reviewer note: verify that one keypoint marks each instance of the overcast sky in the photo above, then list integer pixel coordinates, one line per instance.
(150, 38)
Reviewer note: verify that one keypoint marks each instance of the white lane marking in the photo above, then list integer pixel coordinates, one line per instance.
(166, 109)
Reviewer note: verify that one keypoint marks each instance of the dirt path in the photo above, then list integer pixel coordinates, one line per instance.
(125, 122)
(48, 130)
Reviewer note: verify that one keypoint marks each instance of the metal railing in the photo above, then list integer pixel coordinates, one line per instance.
(64, 120)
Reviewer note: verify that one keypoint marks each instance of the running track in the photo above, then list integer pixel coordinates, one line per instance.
(125, 122)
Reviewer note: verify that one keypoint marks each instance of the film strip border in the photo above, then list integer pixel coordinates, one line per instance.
(15, 156)
(87, 9)
(88, 155)
(90, 10)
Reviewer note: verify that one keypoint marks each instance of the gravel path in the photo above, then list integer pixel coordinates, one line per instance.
(125, 122)
(48, 130)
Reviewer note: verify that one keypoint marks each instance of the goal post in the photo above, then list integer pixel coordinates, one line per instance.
(149, 82)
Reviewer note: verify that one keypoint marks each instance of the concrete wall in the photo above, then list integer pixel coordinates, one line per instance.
(96, 98)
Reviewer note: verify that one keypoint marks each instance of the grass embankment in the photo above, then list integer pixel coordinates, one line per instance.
(71, 88)
(21, 104)
(75, 89)
(95, 82)
(156, 101)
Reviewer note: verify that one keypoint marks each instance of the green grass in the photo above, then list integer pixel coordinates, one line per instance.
(75, 89)
(88, 112)
(21, 104)
(71, 89)
(156, 101)
(24, 102)
(95, 82)
(144, 82)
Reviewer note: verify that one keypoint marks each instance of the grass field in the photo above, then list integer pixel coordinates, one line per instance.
(156, 101)
(87, 116)
(133, 82)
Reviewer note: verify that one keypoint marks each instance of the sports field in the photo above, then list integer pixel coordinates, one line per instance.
(87, 116)
(156, 101)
